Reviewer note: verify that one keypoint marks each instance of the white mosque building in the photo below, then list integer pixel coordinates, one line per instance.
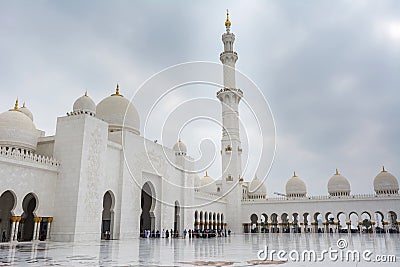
(97, 174)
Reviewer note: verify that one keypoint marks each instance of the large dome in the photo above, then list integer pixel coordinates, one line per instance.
(296, 187)
(257, 187)
(338, 185)
(386, 183)
(85, 104)
(17, 130)
(119, 113)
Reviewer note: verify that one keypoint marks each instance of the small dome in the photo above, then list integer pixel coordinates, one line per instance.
(386, 183)
(119, 113)
(197, 181)
(84, 103)
(26, 111)
(17, 130)
(207, 180)
(180, 148)
(338, 185)
(296, 187)
(257, 187)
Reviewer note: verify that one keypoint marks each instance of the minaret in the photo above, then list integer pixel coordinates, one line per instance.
(230, 97)
(231, 149)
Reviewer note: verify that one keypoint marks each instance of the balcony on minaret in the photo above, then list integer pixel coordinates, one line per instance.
(228, 149)
(236, 91)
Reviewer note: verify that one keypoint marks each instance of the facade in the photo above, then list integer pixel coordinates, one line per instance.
(97, 177)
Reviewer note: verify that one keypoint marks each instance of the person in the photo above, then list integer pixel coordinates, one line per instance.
(229, 232)
(167, 234)
(163, 233)
(190, 233)
(184, 233)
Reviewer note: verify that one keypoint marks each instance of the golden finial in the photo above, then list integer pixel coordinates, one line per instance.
(294, 174)
(337, 172)
(383, 169)
(16, 104)
(117, 91)
(23, 105)
(206, 174)
(86, 93)
(227, 22)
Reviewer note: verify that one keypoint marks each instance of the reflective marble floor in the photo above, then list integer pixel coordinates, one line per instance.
(239, 250)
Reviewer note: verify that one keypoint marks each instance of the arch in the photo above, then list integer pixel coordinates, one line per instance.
(8, 201)
(342, 226)
(264, 223)
(379, 219)
(214, 220)
(366, 223)
(201, 220)
(285, 223)
(177, 218)
(392, 222)
(254, 219)
(205, 220)
(307, 221)
(107, 215)
(318, 222)
(222, 221)
(196, 220)
(147, 218)
(26, 227)
(354, 222)
(218, 221)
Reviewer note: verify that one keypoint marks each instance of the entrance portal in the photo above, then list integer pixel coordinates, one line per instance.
(177, 218)
(147, 218)
(107, 218)
(7, 203)
(27, 226)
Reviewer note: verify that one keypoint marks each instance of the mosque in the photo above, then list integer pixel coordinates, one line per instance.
(97, 174)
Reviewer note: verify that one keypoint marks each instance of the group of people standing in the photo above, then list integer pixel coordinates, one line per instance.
(207, 233)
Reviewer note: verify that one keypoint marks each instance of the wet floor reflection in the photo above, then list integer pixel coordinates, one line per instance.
(238, 250)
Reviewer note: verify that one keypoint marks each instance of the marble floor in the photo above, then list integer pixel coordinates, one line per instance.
(238, 250)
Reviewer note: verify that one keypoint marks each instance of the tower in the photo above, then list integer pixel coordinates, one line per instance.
(231, 149)
(230, 97)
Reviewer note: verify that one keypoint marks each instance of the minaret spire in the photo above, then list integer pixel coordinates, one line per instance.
(227, 22)
(230, 97)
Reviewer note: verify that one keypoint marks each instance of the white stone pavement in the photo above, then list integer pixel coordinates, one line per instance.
(238, 249)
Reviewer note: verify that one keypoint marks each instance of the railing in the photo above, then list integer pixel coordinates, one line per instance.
(17, 154)
(235, 90)
(358, 196)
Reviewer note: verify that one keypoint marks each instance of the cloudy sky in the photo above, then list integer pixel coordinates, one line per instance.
(330, 71)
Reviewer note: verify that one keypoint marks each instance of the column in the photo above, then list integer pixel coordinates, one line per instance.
(49, 221)
(13, 222)
(36, 228)
(17, 220)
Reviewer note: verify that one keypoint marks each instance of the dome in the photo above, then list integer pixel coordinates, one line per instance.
(197, 181)
(338, 185)
(119, 113)
(296, 187)
(207, 180)
(257, 187)
(84, 103)
(26, 111)
(386, 183)
(180, 148)
(17, 130)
